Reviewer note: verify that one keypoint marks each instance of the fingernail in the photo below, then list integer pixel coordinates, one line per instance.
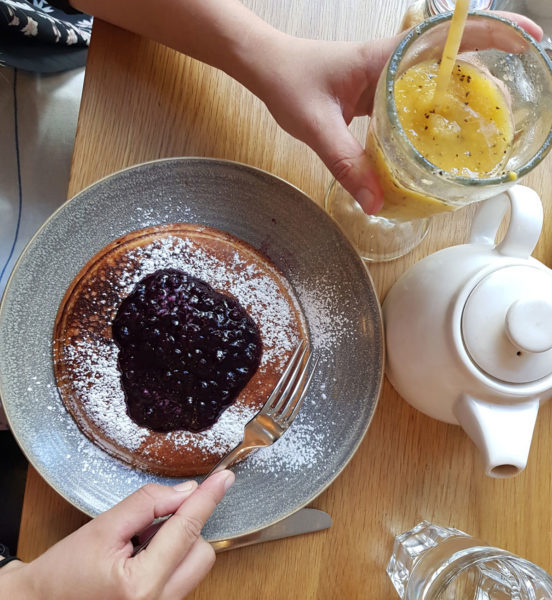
(185, 486)
(227, 479)
(230, 478)
(366, 199)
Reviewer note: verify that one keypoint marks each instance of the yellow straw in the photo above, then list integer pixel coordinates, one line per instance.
(452, 45)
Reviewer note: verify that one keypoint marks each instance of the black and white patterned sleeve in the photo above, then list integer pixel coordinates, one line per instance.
(39, 21)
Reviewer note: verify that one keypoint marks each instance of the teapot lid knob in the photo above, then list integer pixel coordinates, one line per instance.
(507, 324)
(529, 324)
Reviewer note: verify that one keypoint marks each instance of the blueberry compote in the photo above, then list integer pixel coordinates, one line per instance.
(186, 351)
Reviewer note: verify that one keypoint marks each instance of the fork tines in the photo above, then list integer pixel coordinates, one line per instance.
(284, 405)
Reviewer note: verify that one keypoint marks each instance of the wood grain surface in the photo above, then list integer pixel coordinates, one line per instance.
(143, 101)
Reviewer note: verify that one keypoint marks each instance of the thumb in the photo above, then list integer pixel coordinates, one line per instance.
(344, 156)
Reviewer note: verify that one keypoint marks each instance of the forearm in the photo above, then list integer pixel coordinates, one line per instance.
(16, 582)
(221, 33)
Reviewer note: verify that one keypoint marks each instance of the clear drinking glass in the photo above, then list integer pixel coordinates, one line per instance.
(430, 562)
(414, 188)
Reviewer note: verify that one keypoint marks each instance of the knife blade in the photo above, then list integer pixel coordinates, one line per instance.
(305, 520)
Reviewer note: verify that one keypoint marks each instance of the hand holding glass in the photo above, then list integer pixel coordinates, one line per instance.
(434, 155)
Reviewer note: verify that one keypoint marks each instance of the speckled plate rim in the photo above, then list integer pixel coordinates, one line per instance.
(376, 317)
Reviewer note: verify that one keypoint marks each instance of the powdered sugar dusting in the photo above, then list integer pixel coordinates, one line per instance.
(226, 433)
(296, 450)
(100, 383)
(326, 318)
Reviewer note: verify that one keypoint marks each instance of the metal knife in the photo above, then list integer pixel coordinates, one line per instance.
(306, 520)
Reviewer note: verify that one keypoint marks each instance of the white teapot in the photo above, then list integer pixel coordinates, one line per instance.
(469, 332)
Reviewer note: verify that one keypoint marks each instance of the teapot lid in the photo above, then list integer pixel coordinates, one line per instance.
(507, 324)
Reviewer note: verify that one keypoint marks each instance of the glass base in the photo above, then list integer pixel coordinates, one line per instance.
(376, 239)
(410, 546)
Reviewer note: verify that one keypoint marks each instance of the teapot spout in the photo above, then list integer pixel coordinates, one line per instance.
(502, 432)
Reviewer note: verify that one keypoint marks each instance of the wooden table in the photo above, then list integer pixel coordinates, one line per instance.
(142, 101)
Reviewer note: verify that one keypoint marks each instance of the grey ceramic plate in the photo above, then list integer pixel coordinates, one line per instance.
(329, 280)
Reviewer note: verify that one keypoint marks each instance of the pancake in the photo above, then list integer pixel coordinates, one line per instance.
(86, 356)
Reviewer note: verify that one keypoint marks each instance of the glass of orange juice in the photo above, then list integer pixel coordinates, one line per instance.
(436, 152)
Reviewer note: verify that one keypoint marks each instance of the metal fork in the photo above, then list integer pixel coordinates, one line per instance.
(279, 411)
(267, 426)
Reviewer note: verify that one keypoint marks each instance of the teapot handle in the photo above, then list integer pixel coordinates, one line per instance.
(525, 221)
